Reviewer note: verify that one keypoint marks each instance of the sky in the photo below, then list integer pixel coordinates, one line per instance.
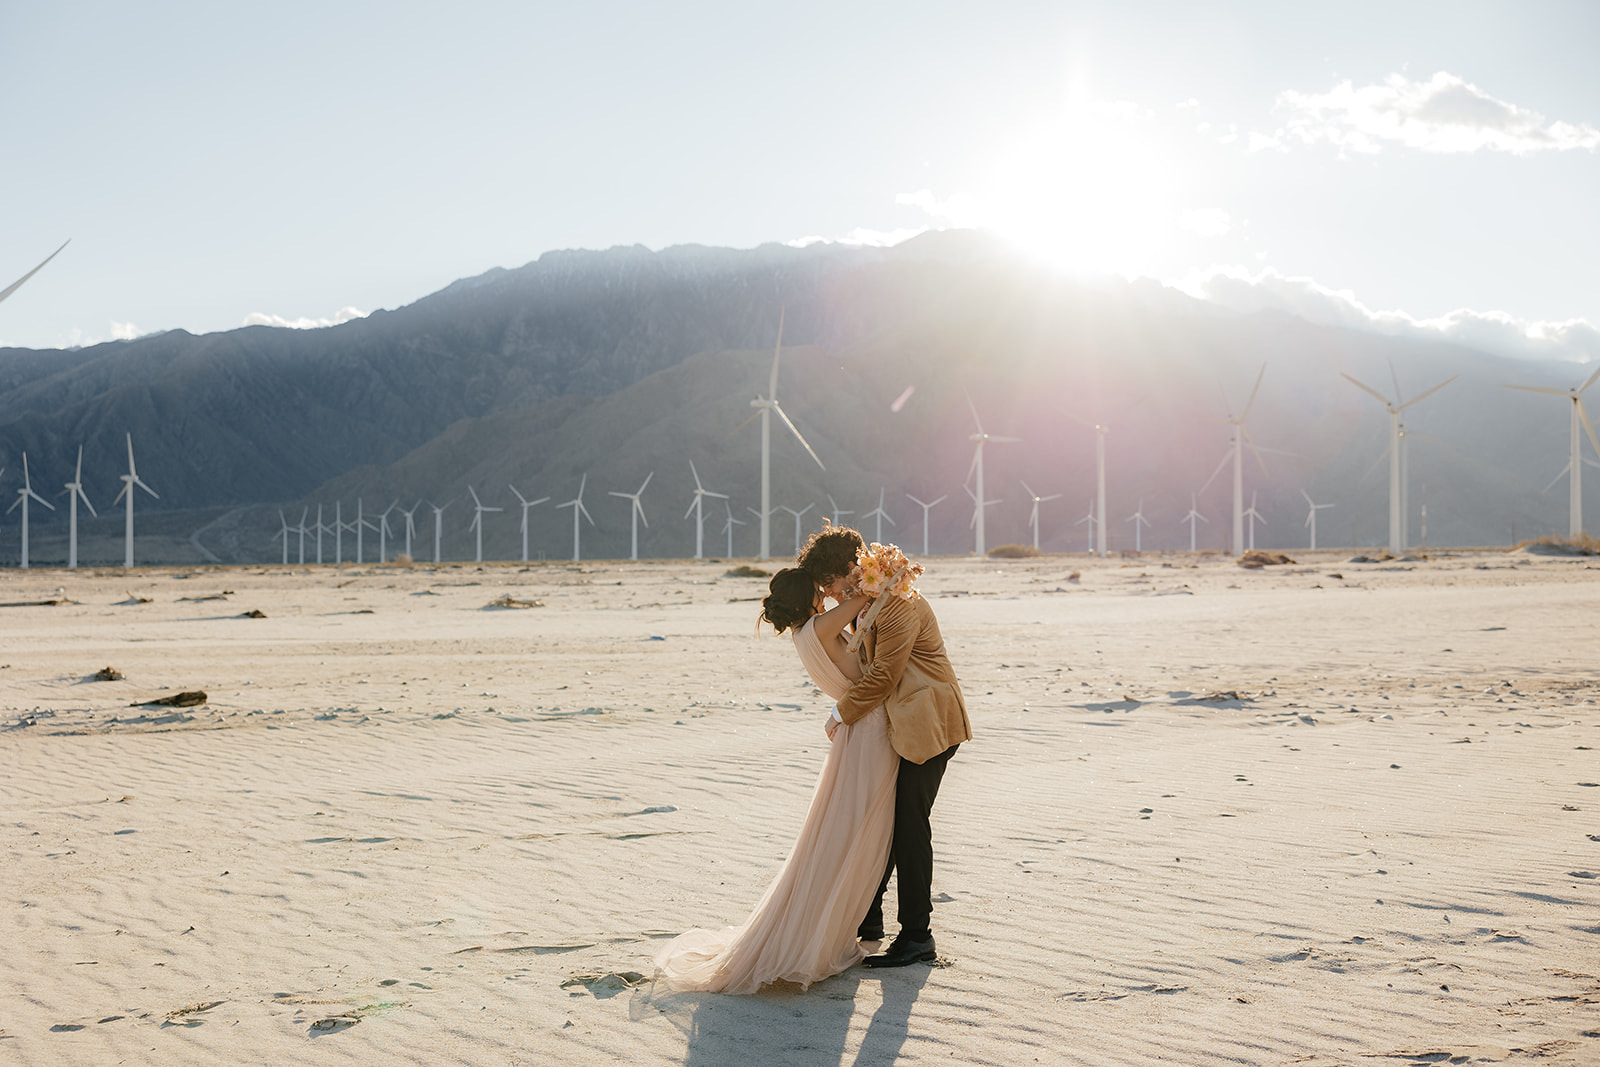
(1423, 168)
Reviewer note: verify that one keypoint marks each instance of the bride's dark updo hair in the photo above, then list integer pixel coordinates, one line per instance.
(791, 599)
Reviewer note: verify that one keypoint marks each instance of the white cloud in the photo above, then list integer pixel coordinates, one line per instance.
(1260, 142)
(344, 314)
(123, 331)
(1494, 332)
(1207, 222)
(1442, 114)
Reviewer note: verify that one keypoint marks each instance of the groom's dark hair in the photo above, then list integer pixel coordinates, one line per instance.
(830, 552)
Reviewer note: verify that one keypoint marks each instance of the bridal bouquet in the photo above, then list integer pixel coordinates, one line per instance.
(884, 569)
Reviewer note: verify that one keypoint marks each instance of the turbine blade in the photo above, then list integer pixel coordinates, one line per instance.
(974, 409)
(647, 478)
(754, 415)
(14, 286)
(696, 474)
(1225, 457)
(1366, 389)
(1253, 449)
(777, 350)
(798, 436)
(1592, 379)
(147, 489)
(640, 509)
(1248, 403)
(719, 496)
(1538, 389)
(85, 498)
(692, 503)
(1560, 475)
(1429, 393)
(1395, 378)
(1006, 440)
(1587, 425)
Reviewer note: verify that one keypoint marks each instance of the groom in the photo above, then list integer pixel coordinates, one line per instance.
(903, 667)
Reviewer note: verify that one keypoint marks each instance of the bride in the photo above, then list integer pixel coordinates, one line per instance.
(804, 927)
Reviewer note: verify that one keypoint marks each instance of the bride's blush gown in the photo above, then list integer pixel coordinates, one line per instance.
(804, 927)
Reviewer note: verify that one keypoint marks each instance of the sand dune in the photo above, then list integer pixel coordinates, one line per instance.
(1323, 813)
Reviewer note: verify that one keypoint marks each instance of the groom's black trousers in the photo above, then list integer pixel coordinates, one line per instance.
(911, 852)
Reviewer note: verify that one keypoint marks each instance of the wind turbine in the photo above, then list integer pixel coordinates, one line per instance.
(526, 504)
(1575, 461)
(339, 527)
(978, 502)
(1311, 516)
(837, 510)
(74, 492)
(877, 513)
(478, 509)
(1241, 437)
(696, 509)
(766, 406)
(1139, 521)
(130, 480)
(284, 533)
(1033, 517)
(1397, 463)
(384, 531)
(1254, 516)
(411, 526)
(1190, 519)
(14, 286)
(321, 529)
(635, 513)
(301, 530)
(926, 507)
(22, 498)
(576, 504)
(1088, 520)
(729, 525)
(796, 514)
(977, 511)
(438, 526)
(363, 524)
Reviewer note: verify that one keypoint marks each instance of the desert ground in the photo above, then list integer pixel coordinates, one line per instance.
(1326, 812)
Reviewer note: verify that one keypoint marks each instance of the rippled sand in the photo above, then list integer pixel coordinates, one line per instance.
(1321, 813)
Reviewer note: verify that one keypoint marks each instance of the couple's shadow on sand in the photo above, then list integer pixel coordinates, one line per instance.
(786, 1026)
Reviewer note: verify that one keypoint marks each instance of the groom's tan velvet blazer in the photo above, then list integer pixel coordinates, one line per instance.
(904, 667)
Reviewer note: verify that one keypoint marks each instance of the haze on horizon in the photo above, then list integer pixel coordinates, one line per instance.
(1421, 168)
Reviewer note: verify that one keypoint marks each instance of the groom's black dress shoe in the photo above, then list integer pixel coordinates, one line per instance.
(903, 952)
(869, 933)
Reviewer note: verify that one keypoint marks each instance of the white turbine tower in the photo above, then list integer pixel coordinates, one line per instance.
(526, 504)
(1311, 515)
(1254, 516)
(384, 531)
(320, 529)
(339, 527)
(877, 513)
(1033, 516)
(1576, 460)
(1397, 459)
(636, 512)
(22, 498)
(926, 507)
(74, 493)
(766, 406)
(411, 526)
(130, 480)
(478, 508)
(438, 526)
(576, 504)
(1191, 519)
(1088, 521)
(697, 510)
(301, 530)
(729, 525)
(797, 515)
(837, 510)
(1241, 437)
(1139, 522)
(14, 286)
(979, 503)
(284, 533)
(362, 525)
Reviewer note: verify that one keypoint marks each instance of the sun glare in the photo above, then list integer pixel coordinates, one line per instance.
(1090, 192)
